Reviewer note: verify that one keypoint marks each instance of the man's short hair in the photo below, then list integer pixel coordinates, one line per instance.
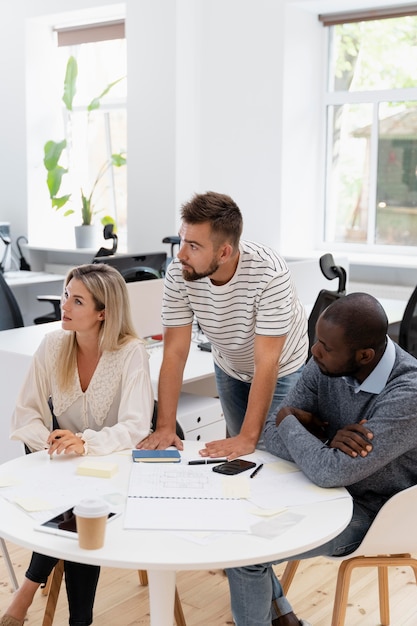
(362, 318)
(220, 211)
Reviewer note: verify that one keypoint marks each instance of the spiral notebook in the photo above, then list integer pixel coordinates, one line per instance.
(183, 497)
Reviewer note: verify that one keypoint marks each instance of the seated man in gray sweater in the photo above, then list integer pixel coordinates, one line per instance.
(349, 421)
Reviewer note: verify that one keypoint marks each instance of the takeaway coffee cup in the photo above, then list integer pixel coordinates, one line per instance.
(91, 516)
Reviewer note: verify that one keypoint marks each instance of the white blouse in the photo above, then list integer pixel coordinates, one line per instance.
(114, 413)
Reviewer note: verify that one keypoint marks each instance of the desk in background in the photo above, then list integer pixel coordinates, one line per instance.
(162, 553)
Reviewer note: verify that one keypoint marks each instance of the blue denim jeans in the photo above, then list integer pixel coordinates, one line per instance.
(256, 594)
(234, 395)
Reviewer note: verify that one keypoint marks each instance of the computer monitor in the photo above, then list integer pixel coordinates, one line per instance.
(136, 267)
(146, 305)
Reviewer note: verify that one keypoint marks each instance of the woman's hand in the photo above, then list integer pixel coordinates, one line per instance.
(64, 441)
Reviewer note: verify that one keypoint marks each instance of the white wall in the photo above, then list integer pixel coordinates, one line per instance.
(222, 95)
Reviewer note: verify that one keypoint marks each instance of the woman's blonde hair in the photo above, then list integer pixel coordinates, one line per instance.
(108, 290)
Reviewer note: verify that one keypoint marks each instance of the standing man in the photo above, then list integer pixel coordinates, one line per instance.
(349, 421)
(242, 296)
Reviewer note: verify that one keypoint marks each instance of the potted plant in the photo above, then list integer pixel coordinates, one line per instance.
(53, 152)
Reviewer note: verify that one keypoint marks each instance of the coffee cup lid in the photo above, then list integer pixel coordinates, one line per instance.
(92, 507)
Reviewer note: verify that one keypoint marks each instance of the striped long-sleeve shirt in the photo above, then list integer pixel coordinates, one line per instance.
(260, 299)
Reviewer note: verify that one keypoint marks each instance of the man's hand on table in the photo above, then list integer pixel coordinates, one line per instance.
(231, 448)
(160, 440)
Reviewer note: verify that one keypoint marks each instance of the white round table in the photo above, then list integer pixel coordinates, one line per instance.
(161, 553)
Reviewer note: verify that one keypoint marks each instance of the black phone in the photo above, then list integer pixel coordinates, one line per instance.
(230, 468)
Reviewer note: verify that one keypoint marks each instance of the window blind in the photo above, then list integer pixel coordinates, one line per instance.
(330, 19)
(89, 33)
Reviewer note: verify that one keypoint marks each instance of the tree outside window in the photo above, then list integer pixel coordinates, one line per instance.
(371, 104)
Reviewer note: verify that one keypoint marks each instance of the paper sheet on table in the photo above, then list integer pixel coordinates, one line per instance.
(62, 487)
(187, 514)
(165, 480)
(183, 497)
(272, 488)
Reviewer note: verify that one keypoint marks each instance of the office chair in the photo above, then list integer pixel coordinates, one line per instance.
(54, 582)
(388, 543)
(405, 332)
(55, 315)
(10, 314)
(174, 240)
(331, 271)
(10, 317)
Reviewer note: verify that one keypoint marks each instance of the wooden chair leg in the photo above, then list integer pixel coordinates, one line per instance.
(383, 595)
(342, 592)
(178, 612)
(288, 575)
(55, 586)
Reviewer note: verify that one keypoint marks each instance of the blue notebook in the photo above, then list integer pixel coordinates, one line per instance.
(156, 456)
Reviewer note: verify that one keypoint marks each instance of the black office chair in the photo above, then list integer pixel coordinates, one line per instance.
(109, 234)
(331, 271)
(10, 314)
(174, 240)
(405, 332)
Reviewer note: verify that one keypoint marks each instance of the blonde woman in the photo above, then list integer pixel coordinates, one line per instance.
(95, 372)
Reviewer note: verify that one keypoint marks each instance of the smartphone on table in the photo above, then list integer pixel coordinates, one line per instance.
(231, 468)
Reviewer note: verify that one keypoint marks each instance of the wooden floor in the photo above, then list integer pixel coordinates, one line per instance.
(121, 601)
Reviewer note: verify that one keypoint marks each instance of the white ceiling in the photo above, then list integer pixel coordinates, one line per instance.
(335, 6)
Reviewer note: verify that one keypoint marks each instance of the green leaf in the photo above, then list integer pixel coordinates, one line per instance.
(108, 219)
(58, 203)
(118, 160)
(95, 102)
(86, 209)
(70, 83)
(54, 179)
(52, 153)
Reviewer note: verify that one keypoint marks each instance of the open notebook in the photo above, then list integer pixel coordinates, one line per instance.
(182, 497)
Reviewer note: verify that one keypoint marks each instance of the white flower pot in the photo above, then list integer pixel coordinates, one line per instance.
(87, 236)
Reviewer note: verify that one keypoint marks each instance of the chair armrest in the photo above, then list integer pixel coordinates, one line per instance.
(55, 301)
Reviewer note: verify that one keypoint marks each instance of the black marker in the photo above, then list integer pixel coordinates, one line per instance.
(206, 461)
(255, 471)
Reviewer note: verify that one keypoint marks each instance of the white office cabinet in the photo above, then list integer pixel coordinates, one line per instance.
(201, 418)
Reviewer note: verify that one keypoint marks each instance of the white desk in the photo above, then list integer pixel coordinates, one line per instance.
(162, 553)
(18, 345)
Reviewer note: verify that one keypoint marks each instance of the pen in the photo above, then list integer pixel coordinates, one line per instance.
(206, 461)
(255, 471)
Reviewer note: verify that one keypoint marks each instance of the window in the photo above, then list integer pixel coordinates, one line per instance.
(92, 137)
(371, 112)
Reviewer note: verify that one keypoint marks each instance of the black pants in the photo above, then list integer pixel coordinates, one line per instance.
(80, 580)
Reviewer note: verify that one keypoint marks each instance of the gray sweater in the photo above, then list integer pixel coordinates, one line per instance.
(392, 415)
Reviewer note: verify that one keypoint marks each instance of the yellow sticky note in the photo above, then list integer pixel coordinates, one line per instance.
(33, 504)
(7, 481)
(235, 487)
(98, 469)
